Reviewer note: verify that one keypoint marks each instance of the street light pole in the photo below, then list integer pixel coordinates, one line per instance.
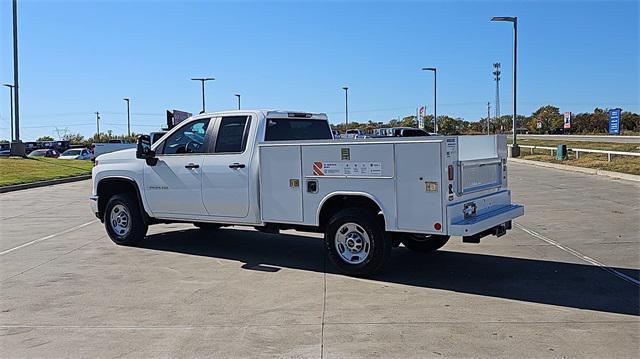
(17, 147)
(346, 105)
(435, 101)
(488, 115)
(238, 96)
(98, 125)
(11, 102)
(515, 150)
(128, 118)
(202, 81)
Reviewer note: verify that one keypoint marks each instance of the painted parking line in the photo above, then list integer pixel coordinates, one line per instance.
(47, 237)
(578, 254)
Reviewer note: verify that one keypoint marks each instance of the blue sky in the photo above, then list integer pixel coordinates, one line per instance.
(84, 56)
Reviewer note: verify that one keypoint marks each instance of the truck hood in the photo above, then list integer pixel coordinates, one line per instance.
(127, 154)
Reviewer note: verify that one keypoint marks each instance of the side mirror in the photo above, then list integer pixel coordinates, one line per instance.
(144, 150)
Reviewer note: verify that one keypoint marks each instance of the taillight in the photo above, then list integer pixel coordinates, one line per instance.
(450, 170)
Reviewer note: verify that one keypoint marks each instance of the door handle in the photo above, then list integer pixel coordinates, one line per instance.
(237, 165)
(192, 166)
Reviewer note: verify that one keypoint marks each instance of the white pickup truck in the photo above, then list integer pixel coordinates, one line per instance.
(283, 170)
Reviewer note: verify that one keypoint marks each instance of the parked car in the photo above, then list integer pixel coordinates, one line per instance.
(76, 154)
(354, 133)
(408, 132)
(283, 170)
(5, 153)
(336, 134)
(155, 136)
(44, 153)
(102, 148)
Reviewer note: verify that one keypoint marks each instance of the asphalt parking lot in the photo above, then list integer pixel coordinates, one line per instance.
(562, 283)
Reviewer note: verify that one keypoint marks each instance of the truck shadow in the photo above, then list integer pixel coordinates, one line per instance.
(532, 280)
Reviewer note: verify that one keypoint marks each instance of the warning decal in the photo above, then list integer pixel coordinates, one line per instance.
(317, 169)
(372, 169)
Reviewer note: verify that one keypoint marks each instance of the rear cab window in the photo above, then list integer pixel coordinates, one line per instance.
(285, 129)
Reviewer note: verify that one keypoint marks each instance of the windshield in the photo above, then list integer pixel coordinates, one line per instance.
(38, 153)
(352, 132)
(282, 129)
(71, 153)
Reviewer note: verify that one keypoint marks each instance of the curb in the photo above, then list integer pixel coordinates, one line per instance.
(18, 187)
(591, 171)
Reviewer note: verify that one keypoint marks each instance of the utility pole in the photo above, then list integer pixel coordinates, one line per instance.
(496, 77)
(98, 125)
(488, 116)
(128, 118)
(202, 81)
(238, 96)
(11, 104)
(346, 105)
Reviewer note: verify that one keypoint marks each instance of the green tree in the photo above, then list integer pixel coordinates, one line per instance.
(74, 138)
(45, 138)
(548, 115)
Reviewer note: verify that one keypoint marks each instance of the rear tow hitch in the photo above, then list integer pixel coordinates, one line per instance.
(498, 231)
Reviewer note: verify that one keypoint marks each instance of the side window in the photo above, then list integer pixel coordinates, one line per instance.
(232, 134)
(187, 139)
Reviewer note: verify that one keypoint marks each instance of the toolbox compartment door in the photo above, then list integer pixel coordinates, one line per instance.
(419, 187)
(281, 184)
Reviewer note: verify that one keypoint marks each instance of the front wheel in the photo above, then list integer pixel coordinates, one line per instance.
(356, 242)
(123, 220)
(423, 243)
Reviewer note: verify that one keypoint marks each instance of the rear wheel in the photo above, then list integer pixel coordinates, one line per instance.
(356, 242)
(123, 220)
(423, 243)
(207, 226)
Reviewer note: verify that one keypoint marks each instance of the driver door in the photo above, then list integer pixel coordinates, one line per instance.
(173, 187)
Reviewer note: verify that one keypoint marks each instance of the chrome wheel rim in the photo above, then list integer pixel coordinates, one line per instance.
(120, 220)
(352, 243)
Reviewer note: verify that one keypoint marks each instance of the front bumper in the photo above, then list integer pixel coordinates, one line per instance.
(94, 206)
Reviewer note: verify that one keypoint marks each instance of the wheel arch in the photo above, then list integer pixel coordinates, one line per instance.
(109, 186)
(335, 201)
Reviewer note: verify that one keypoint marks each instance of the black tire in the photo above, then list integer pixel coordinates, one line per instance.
(362, 221)
(137, 227)
(207, 226)
(423, 243)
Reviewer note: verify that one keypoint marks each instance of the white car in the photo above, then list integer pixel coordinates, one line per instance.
(276, 170)
(75, 154)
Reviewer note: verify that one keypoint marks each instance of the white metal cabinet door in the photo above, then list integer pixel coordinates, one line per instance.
(225, 179)
(281, 183)
(174, 185)
(419, 207)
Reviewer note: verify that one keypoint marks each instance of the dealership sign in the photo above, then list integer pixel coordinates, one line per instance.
(567, 120)
(422, 112)
(614, 121)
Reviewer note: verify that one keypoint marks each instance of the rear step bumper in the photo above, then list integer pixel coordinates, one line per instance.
(495, 222)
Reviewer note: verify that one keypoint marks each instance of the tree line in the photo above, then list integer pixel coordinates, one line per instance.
(549, 117)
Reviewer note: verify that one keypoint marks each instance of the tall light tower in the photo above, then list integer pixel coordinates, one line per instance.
(17, 147)
(515, 150)
(202, 81)
(496, 77)
(346, 105)
(128, 117)
(435, 101)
